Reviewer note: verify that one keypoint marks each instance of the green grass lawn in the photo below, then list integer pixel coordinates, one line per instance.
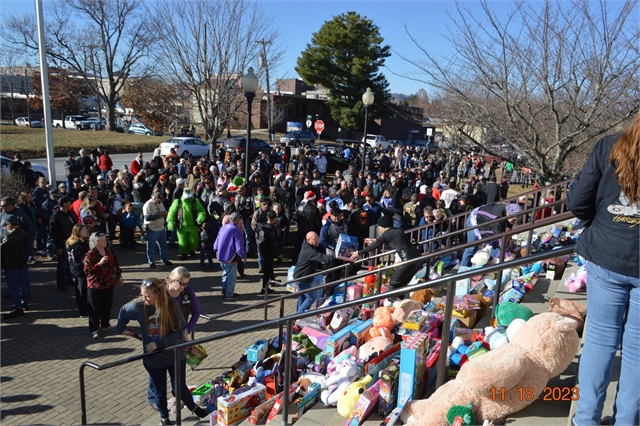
(31, 143)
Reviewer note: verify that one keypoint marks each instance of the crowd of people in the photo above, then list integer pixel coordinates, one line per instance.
(210, 205)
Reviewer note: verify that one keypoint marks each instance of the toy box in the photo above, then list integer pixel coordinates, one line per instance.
(320, 363)
(354, 291)
(261, 412)
(308, 401)
(201, 392)
(238, 406)
(257, 351)
(346, 246)
(462, 287)
(412, 369)
(388, 397)
(432, 363)
(317, 337)
(340, 319)
(393, 417)
(528, 280)
(365, 405)
(277, 406)
(358, 333)
(382, 361)
(467, 318)
(415, 320)
(340, 340)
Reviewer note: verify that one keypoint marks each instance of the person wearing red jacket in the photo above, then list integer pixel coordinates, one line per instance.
(136, 164)
(105, 164)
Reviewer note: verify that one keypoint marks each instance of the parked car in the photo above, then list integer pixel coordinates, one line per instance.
(185, 146)
(40, 171)
(139, 129)
(70, 121)
(92, 123)
(24, 122)
(297, 137)
(376, 141)
(255, 146)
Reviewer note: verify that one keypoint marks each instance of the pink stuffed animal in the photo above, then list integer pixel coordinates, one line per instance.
(577, 281)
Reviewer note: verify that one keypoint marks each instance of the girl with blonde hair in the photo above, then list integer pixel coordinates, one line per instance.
(162, 325)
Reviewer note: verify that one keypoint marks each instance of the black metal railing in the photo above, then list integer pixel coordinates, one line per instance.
(287, 321)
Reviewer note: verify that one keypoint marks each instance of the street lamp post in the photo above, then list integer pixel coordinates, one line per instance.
(367, 101)
(250, 86)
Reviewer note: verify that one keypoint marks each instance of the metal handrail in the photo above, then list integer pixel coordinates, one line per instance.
(288, 320)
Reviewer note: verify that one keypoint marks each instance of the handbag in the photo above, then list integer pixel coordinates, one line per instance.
(195, 355)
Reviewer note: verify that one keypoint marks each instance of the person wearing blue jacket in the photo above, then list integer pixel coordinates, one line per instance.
(606, 196)
(162, 325)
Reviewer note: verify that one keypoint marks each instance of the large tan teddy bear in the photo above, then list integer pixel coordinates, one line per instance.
(540, 350)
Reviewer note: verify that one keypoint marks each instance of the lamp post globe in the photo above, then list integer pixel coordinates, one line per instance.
(250, 86)
(367, 101)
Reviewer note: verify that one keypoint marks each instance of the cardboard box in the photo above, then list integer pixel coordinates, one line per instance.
(358, 333)
(200, 392)
(462, 287)
(354, 291)
(320, 363)
(382, 361)
(388, 396)
(393, 418)
(261, 412)
(415, 320)
(277, 406)
(257, 351)
(346, 246)
(309, 400)
(365, 405)
(317, 337)
(236, 407)
(468, 319)
(340, 319)
(412, 369)
(341, 340)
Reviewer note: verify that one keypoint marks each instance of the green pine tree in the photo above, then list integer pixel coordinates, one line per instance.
(345, 57)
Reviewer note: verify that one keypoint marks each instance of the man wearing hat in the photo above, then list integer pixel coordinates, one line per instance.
(308, 219)
(14, 248)
(72, 169)
(61, 223)
(329, 234)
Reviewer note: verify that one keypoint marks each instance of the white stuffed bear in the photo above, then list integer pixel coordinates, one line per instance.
(346, 373)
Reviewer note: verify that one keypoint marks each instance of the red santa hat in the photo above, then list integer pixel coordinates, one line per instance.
(310, 195)
(322, 201)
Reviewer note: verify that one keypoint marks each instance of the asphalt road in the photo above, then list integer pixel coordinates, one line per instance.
(118, 160)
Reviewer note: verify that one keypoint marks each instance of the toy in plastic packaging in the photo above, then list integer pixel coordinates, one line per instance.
(195, 355)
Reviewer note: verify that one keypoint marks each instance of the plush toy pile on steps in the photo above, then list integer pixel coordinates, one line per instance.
(384, 361)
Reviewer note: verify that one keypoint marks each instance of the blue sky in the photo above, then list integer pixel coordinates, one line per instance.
(297, 20)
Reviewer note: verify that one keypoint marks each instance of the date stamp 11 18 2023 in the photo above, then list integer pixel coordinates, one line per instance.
(550, 393)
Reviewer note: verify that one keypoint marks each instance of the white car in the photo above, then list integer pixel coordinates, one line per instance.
(185, 146)
(24, 122)
(376, 141)
(40, 171)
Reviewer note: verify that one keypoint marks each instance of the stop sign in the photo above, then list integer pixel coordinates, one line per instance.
(319, 126)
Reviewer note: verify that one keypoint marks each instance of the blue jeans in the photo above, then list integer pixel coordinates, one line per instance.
(229, 271)
(613, 303)
(305, 301)
(158, 377)
(159, 238)
(18, 284)
(248, 235)
(41, 236)
(470, 251)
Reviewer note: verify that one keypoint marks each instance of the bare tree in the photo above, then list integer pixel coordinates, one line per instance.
(206, 48)
(104, 41)
(11, 79)
(548, 78)
(153, 100)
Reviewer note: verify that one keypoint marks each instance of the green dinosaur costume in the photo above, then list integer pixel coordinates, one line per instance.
(181, 217)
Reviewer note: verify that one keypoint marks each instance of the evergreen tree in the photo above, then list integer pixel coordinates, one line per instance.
(345, 57)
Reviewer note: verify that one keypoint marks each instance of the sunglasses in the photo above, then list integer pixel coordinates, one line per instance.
(147, 283)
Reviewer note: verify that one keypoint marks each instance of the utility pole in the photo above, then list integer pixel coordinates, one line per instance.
(262, 61)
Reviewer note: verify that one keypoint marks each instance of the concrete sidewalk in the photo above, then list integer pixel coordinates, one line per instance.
(43, 350)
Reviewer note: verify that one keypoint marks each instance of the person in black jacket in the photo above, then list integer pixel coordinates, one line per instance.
(492, 189)
(606, 196)
(72, 168)
(308, 219)
(307, 264)
(268, 247)
(484, 214)
(14, 250)
(61, 222)
(398, 240)
(77, 246)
